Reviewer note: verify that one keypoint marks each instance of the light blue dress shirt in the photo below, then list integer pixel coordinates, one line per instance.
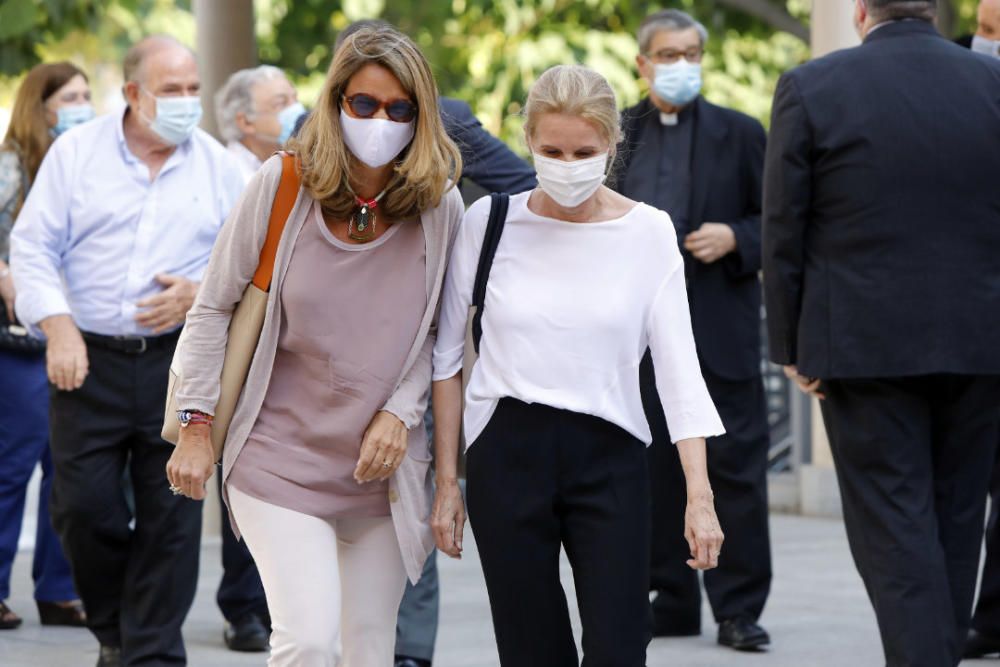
(95, 230)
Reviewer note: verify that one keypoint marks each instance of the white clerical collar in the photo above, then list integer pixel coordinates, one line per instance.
(668, 118)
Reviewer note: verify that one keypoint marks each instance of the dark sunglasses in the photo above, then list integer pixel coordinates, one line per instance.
(366, 106)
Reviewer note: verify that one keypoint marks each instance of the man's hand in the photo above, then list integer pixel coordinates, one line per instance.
(65, 354)
(7, 291)
(805, 384)
(168, 308)
(711, 242)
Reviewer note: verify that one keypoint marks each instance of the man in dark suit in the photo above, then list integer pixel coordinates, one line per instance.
(703, 164)
(984, 637)
(882, 284)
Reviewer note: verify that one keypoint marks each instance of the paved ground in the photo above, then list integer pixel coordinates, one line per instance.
(818, 615)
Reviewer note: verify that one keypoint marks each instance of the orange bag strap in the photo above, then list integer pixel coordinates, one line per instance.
(284, 202)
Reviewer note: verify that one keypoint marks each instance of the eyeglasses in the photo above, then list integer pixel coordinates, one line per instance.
(671, 56)
(366, 106)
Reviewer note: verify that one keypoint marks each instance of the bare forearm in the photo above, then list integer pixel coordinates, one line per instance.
(695, 464)
(447, 402)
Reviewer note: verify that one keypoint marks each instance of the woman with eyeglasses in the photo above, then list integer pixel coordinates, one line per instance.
(325, 465)
(53, 98)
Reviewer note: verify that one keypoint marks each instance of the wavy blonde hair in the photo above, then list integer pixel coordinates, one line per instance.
(424, 171)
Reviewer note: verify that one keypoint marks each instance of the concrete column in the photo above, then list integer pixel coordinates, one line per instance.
(832, 29)
(225, 43)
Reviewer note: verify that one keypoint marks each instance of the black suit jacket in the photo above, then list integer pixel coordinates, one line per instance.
(882, 210)
(727, 155)
(486, 161)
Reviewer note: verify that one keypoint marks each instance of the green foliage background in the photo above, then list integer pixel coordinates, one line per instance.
(487, 52)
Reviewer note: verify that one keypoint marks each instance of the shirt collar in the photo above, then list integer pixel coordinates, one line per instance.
(885, 23)
(181, 150)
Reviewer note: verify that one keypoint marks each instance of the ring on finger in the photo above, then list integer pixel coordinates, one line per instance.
(176, 490)
(387, 464)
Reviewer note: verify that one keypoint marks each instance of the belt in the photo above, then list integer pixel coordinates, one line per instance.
(132, 344)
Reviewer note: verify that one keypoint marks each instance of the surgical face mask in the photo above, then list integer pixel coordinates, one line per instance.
(176, 117)
(678, 83)
(71, 116)
(286, 121)
(375, 141)
(571, 183)
(990, 47)
(287, 118)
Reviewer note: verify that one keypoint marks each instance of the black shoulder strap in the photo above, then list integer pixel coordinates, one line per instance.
(494, 229)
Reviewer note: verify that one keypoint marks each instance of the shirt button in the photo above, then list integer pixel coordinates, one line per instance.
(393, 496)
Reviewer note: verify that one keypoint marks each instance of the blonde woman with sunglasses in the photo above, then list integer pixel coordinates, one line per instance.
(325, 464)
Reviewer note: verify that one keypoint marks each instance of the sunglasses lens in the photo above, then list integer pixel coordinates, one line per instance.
(363, 106)
(401, 111)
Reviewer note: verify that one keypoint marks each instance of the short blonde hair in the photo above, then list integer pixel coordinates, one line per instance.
(424, 171)
(574, 90)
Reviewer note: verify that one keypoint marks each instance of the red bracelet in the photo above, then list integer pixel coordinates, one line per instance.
(188, 417)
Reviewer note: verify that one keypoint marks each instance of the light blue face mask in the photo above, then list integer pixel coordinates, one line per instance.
(71, 116)
(287, 118)
(678, 83)
(176, 117)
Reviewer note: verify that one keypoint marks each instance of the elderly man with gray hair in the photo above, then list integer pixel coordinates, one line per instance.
(106, 256)
(703, 165)
(256, 111)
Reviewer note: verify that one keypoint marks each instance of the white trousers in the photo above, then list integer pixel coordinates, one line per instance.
(328, 584)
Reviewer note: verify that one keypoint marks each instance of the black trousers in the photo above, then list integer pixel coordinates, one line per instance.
(137, 584)
(986, 620)
(913, 458)
(540, 478)
(737, 467)
(240, 590)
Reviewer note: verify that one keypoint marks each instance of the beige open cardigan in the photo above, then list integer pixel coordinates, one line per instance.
(230, 270)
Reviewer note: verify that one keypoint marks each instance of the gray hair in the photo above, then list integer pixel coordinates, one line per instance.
(673, 20)
(135, 57)
(236, 97)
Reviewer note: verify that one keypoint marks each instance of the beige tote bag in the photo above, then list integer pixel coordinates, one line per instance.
(246, 324)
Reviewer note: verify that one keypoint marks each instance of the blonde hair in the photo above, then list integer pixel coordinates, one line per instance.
(574, 90)
(424, 171)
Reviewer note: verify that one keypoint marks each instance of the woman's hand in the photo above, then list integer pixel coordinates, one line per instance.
(193, 461)
(383, 448)
(703, 533)
(448, 518)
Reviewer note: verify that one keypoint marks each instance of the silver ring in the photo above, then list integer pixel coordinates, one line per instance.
(176, 490)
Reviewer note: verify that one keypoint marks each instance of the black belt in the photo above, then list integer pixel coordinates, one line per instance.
(131, 344)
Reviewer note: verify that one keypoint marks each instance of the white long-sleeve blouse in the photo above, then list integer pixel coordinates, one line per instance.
(570, 310)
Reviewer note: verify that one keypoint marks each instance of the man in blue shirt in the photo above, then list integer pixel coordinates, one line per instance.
(106, 257)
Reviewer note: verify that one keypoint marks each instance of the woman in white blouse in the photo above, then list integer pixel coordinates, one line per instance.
(583, 281)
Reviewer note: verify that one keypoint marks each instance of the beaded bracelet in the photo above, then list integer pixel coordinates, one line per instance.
(188, 417)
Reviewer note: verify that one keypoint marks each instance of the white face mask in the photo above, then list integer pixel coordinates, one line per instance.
(375, 141)
(570, 183)
(985, 46)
